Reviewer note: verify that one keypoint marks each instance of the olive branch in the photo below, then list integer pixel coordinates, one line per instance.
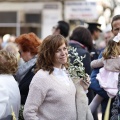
(76, 68)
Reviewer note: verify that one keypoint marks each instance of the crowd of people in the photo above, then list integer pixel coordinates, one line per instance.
(35, 83)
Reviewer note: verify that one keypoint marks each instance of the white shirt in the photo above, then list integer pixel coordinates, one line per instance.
(61, 75)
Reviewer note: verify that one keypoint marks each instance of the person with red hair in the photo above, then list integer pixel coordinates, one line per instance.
(28, 45)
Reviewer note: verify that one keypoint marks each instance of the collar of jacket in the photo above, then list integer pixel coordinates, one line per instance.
(73, 41)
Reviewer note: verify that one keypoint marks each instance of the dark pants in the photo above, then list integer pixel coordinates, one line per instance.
(104, 105)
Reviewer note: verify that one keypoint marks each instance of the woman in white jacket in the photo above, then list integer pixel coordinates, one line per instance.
(9, 91)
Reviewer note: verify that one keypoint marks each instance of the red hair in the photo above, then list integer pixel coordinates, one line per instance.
(29, 42)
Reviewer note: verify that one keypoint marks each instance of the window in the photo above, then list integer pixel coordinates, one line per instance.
(32, 18)
(8, 17)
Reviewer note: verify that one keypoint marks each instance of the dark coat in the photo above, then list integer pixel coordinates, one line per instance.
(93, 54)
(24, 84)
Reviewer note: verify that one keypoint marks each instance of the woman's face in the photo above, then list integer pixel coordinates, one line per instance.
(26, 56)
(61, 56)
(116, 27)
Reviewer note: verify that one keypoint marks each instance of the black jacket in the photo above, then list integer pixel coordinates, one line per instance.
(24, 84)
(94, 54)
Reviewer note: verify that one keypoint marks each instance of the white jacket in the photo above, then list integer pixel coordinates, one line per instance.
(9, 96)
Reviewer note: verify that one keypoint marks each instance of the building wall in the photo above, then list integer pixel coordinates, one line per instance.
(27, 17)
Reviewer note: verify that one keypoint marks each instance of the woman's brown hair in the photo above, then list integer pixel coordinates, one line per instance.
(112, 50)
(8, 62)
(83, 36)
(47, 52)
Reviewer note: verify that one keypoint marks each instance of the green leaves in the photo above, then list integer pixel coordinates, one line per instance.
(76, 69)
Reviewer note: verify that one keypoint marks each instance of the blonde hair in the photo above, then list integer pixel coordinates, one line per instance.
(12, 48)
(112, 49)
(8, 62)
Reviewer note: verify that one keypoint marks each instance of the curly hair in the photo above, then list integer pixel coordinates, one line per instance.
(47, 52)
(12, 47)
(8, 62)
(29, 42)
(112, 49)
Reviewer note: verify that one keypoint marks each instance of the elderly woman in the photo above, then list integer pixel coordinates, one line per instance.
(28, 45)
(9, 90)
(12, 47)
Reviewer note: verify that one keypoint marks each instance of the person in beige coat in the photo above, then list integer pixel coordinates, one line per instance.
(52, 93)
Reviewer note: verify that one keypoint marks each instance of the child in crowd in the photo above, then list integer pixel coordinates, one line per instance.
(108, 74)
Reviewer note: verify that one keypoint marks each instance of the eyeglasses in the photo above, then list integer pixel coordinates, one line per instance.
(20, 52)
